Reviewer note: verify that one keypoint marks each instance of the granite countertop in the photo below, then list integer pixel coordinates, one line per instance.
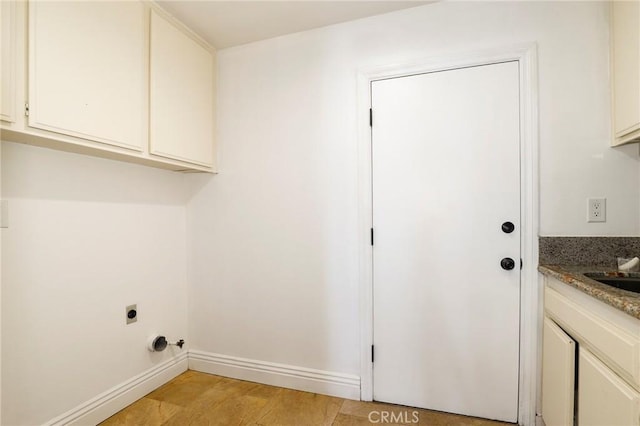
(626, 301)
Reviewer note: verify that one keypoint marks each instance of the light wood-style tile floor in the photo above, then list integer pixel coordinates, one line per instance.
(196, 399)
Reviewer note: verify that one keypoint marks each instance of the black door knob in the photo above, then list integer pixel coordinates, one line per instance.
(508, 227)
(507, 264)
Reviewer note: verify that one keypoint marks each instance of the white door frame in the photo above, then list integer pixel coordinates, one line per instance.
(530, 296)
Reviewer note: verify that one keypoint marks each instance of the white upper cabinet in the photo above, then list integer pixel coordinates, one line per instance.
(98, 77)
(182, 75)
(87, 68)
(625, 72)
(7, 61)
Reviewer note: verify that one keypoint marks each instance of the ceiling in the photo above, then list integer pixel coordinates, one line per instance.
(231, 23)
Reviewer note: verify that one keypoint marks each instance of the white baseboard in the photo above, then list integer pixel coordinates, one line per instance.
(115, 399)
(286, 376)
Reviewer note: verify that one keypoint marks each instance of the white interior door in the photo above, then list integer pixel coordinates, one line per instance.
(446, 176)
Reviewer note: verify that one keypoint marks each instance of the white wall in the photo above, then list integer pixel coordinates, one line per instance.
(273, 238)
(87, 237)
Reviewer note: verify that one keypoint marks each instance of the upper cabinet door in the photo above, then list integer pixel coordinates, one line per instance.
(88, 70)
(625, 60)
(7, 61)
(182, 95)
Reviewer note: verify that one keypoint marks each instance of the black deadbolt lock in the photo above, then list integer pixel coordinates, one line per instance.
(507, 263)
(132, 314)
(508, 227)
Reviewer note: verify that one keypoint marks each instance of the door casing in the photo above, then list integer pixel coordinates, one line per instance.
(530, 314)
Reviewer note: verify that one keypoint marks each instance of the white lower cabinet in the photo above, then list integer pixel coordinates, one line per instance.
(599, 385)
(558, 375)
(603, 397)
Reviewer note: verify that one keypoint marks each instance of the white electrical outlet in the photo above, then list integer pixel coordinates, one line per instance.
(596, 210)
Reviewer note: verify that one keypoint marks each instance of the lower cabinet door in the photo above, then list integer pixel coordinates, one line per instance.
(603, 397)
(558, 375)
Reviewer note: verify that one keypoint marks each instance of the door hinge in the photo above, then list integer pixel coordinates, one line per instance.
(26, 110)
(371, 236)
(372, 353)
(370, 117)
